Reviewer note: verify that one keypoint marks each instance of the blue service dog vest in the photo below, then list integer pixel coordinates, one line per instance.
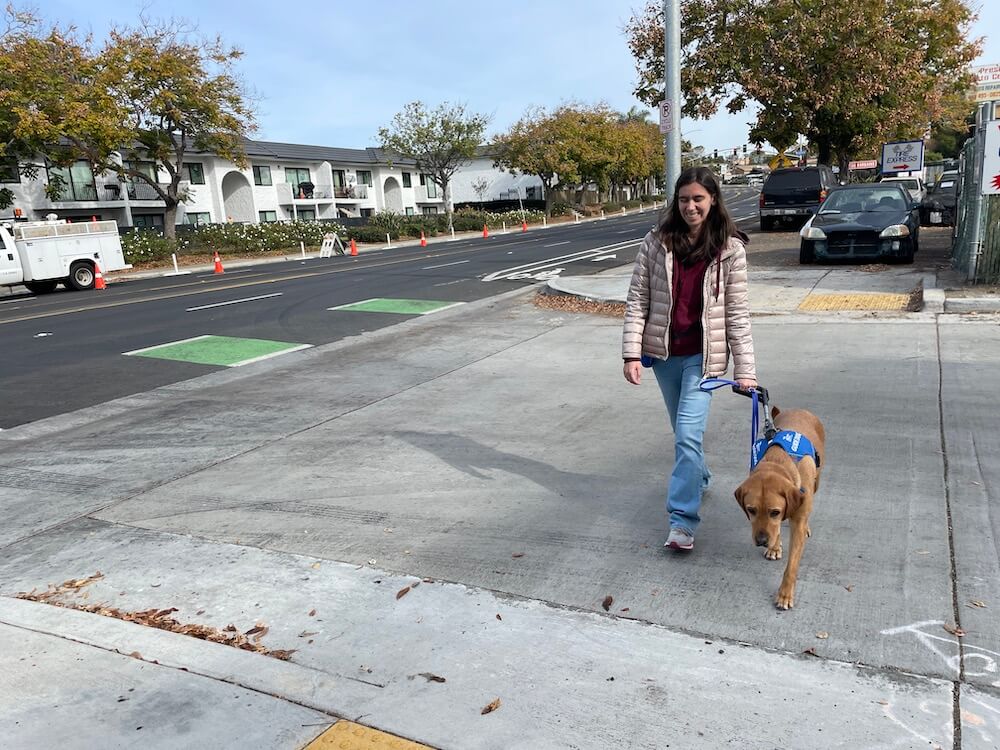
(795, 444)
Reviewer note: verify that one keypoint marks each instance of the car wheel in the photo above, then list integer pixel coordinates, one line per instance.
(40, 287)
(81, 276)
(766, 223)
(806, 253)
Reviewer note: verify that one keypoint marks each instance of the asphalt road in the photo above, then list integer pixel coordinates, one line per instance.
(64, 351)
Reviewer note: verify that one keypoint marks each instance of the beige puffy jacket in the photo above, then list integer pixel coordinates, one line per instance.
(725, 317)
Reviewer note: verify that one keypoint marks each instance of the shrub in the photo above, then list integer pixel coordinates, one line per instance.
(561, 209)
(365, 234)
(147, 245)
(388, 221)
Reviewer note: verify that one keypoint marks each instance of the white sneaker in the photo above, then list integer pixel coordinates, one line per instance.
(680, 539)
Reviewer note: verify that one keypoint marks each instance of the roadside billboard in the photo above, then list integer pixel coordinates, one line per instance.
(987, 83)
(991, 160)
(902, 156)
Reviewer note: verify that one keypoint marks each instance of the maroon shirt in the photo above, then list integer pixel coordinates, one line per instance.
(689, 302)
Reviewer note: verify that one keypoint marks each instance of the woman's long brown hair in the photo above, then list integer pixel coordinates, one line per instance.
(719, 225)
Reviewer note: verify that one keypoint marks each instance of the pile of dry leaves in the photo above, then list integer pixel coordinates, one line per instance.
(569, 303)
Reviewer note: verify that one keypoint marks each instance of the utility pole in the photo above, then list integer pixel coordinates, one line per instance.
(671, 118)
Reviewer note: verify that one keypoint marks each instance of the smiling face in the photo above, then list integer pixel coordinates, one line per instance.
(695, 203)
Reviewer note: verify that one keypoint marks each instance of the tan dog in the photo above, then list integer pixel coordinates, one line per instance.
(780, 487)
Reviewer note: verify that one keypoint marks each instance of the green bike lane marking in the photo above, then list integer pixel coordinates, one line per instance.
(400, 306)
(223, 351)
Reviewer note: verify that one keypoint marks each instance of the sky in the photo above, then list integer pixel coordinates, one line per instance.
(331, 73)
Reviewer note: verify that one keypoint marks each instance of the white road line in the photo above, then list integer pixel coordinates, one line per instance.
(19, 299)
(169, 343)
(272, 354)
(743, 218)
(554, 244)
(448, 283)
(443, 265)
(235, 302)
(548, 263)
(439, 309)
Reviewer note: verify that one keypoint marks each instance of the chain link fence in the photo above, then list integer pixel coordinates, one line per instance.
(976, 240)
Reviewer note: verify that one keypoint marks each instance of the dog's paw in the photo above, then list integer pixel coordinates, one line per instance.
(773, 553)
(784, 599)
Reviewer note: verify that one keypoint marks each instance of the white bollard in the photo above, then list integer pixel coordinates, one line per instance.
(576, 218)
(602, 213)
(388, 240)
(544, 222)
(623, 210)
(640, 207)
(302, 247)
(176, 269)
(504, 227)
(453, 233)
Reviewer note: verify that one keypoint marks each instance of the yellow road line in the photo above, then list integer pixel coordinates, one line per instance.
(346, 735)
(865, 302)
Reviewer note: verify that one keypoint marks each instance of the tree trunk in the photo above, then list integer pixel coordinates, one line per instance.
(170, 217)
(845, 166)
(825, 150)
(445, 190)
(547, 187)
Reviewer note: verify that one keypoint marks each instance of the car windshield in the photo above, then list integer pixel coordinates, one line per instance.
(859, 201)
(908, 184)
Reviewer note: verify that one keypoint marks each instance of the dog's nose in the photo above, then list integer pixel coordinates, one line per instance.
(761, 539)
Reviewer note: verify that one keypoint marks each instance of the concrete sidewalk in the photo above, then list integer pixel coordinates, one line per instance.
(478, 515)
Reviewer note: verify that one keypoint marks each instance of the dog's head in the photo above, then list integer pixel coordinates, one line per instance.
(767, 498)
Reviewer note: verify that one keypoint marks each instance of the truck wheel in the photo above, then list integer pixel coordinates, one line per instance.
(41, 287)
(81, 275)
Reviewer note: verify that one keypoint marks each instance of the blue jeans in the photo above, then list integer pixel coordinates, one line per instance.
(678, 378)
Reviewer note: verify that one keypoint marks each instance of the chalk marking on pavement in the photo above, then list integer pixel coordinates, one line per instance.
(556, 244)
(234, 302)
(443, 265)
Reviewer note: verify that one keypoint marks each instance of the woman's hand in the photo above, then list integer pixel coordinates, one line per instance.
(633, 372)
(746, 384)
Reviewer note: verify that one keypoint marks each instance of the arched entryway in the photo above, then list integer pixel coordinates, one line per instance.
(393, 192)
(237, 197)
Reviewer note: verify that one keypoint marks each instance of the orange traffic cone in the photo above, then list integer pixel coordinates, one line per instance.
(218, 263)
(524, 226)
(423, 240)
(486, 232)
(98, 277)
(354, 247)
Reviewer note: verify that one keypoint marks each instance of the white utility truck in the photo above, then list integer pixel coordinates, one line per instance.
(41, 254)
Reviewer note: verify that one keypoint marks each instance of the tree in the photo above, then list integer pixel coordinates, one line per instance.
(440, 141)
(481, 186)
(848, 75)
(150, 95)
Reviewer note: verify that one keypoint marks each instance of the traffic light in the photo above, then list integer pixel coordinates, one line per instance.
(715, 154)
(744, 148)
(734, 152)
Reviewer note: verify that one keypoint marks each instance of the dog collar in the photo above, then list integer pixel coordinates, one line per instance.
(795, 444)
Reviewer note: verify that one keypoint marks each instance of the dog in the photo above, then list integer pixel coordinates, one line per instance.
(782, 487)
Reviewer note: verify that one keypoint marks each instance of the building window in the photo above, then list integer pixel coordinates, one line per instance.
(367, 211)
(266, 217)
(294, 176)
(430, 210)
(78, 181)
(410, 211)
(261, 175)
(147, 221)
(195, 173)
(423, 179)
(407, 182)
(197, 218)
(339, 179)
(9, 171)
(307, 214)
(147, 168)
(364, 177)
(432, 188)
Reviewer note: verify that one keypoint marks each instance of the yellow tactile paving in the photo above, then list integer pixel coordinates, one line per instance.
(346, 735)
(855, 302)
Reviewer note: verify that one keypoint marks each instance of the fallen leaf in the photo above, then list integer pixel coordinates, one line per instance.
(432, 677)
(427, 580)
(954, 630)
(883, 703)
(306, 633)
(490, 707)
(259, 630)
(811, 651)
(976, 603)
(230, 628)
(200, 612)
(312, 612)
(624, 609)
(822, 635)
(315, 566)
(372, 561)
(607, 602)
(402, 592)
(135, 655)
(849, 587)
(517, 554)
(499, 617)
(283, 654)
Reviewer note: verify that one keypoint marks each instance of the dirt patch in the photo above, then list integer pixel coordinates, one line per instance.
(569, 303)
(157, 618)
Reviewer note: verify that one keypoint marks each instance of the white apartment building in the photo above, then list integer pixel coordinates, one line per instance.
(282, 181)
(497, 184)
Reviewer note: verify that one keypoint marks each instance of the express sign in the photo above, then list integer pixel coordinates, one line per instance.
(902, 156)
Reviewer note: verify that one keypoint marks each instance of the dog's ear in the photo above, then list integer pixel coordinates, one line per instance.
(739, 493)
(775, 411)
(793, 499)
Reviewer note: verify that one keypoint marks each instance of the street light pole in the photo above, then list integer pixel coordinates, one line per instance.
(672, 86)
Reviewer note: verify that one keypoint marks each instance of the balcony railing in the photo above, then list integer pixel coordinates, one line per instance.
(104, 191)
(288, 193)
(351, 192)
(143, 191)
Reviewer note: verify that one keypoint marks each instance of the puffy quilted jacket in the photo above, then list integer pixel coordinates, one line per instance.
(725, 318)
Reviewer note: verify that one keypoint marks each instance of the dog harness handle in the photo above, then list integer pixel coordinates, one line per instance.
(758, 395)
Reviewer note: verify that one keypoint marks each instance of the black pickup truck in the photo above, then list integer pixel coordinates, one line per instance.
(794, 194)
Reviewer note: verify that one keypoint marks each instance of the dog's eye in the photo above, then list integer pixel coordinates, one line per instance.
(752, 511)
(775, 513)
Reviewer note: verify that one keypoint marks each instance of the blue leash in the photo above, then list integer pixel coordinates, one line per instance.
(759, 396)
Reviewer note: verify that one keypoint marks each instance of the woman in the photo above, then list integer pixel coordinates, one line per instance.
(686, 310)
